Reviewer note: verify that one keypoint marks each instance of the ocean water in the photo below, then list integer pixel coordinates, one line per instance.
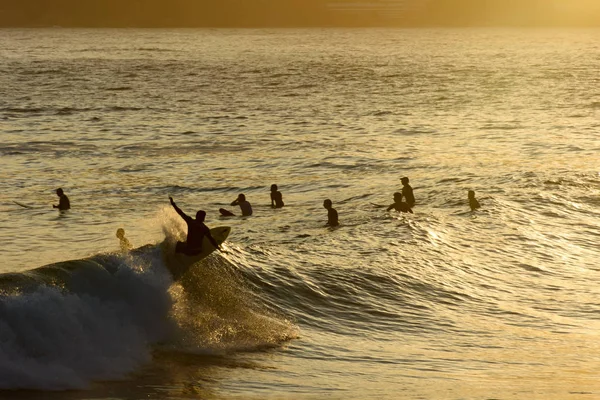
(445, 303)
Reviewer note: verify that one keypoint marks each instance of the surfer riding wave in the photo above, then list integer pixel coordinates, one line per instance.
(197, 230)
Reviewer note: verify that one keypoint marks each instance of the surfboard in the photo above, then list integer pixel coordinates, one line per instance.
(21, 204)
(179, 263)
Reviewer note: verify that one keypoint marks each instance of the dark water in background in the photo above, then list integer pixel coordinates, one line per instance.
(501, 303)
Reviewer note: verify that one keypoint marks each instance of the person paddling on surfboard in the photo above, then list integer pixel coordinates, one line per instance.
(196, 233)
(63, 202)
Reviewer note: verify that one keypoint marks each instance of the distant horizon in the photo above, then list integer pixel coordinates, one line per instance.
(399, 27)
(389, 26)
(299, 13)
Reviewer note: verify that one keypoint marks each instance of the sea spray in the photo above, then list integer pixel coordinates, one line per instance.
(92, 326)
(100, 318)
(218, 312)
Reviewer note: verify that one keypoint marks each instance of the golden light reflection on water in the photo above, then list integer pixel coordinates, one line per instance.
(442, 303)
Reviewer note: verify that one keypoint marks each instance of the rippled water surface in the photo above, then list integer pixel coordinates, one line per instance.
(444, 303)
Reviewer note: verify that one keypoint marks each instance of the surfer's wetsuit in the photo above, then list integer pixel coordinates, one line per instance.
(332, 217)
(123, 242)
(276, 199)
(244, 206)
(407, 192)
(63, 203)
(400, 206)
(196, 232)
(473, 203)
(332, 214)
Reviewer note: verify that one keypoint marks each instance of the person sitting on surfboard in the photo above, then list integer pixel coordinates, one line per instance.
(407, 192)
(63, 202)
(399, 205)
(276, 197)
(332, 215)
(473, 203)
(123, 242)
(244, 205)
(196, 233)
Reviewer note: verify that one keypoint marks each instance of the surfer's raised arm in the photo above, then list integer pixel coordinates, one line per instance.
(181, 213)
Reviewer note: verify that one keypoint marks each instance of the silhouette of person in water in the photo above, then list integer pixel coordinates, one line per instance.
(332, 215)
(276, 197)
(123, 242)
(473, 203)
(63, 202)
(407, 192)
(196, 233)
(399, 205)
(244, 205)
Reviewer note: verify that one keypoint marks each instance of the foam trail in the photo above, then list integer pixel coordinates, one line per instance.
(99, 328)
(65, 325)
